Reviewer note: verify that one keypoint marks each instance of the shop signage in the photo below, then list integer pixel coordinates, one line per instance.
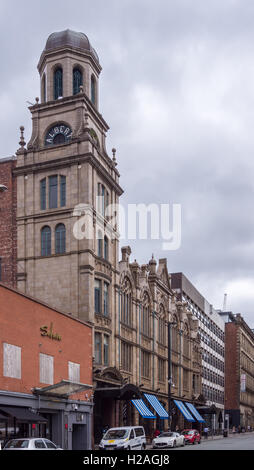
(48, 331)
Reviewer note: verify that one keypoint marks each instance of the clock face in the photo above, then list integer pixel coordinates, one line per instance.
(59, 134)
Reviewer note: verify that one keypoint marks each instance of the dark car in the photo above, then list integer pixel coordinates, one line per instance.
(191, 436)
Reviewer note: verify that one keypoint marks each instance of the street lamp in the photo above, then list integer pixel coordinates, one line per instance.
(3, 188)
(170, 323)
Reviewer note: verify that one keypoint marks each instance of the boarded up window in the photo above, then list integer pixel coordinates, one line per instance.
(46, 369)
(74, 372)
(12, 361)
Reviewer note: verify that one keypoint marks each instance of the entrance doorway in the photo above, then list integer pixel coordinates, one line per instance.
(79, 438)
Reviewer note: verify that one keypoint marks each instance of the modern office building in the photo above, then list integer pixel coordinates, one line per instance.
(211, 329)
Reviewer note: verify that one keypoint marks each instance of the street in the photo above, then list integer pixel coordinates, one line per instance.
(237, 442)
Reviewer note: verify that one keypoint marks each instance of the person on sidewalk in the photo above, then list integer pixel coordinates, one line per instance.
(206, 430)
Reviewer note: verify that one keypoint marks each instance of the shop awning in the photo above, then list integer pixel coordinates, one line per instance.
(180, 405)
(195, 412)
(23, 414)
(65, 388)
(142, 409)
(153, 400)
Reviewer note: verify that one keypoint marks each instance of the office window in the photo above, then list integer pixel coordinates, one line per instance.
(53, 192)
(97, 348)
(60, 239)
(46, 241)
(46, 369)
(100, 244)
(97, 296)
(126, 356)
(63, 191)
(161, 370)
(43, 193)
(126, 302)
(106, 350)
(74, 372)
(58, 83)
(106, 306)
(145, 364)
(11, 361)
(106, 248)
(77, 80)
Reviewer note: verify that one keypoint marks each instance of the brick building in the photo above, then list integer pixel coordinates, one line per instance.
(239, 366)
(45, 372)
(8, 227)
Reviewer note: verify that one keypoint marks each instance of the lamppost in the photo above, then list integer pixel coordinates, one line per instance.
(170, 323)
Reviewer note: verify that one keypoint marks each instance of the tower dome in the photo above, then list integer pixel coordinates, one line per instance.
(69, 38)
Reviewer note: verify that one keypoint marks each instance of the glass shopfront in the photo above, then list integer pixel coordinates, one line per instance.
(12, 427)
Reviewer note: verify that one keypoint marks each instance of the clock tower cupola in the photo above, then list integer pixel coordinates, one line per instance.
(60, 174)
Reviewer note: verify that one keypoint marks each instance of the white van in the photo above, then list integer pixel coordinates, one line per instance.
(127, 437)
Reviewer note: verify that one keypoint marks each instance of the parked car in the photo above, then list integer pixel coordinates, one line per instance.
(128, 437)
(191, 436)
(31, 444)
(168, 439)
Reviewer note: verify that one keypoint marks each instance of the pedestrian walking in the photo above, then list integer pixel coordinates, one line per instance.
(206, 430)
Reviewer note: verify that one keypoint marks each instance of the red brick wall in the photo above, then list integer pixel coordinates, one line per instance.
(8, 231)
(232, 394)
(20, 321)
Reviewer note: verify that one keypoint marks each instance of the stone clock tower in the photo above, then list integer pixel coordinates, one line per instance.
(60, 174)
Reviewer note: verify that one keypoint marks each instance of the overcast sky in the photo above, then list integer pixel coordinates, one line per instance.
(177, 90)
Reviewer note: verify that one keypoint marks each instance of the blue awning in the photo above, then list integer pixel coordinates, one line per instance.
(195, 412)
(184, 411)
(153, 400)
(142, 409)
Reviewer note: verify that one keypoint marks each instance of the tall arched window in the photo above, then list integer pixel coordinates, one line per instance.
(99, 246)
(77, 80)
(60, 239)
(106, 248)
(126, 302)
(161, 326)
(145, 315)
(186, 342)
(93, 90)
(43, 88)
(46, 241)
(174, 335)
(58, 83)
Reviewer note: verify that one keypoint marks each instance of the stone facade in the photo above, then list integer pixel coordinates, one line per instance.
(128, 305)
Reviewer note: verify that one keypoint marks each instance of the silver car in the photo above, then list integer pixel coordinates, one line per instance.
(37, 443)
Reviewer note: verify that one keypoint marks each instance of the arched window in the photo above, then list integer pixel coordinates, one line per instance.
(46, 241)
(77, 80)
(186, 342)
(126, 302)
(58, 83)
(106, 248)
(60, 239)
(99, 246)
(174, 336)
(93, 90)
(145, 315)
(161, 326)
(43, 88)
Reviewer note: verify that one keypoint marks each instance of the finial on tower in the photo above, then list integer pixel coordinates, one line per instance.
(22, 142)
(114, 156)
